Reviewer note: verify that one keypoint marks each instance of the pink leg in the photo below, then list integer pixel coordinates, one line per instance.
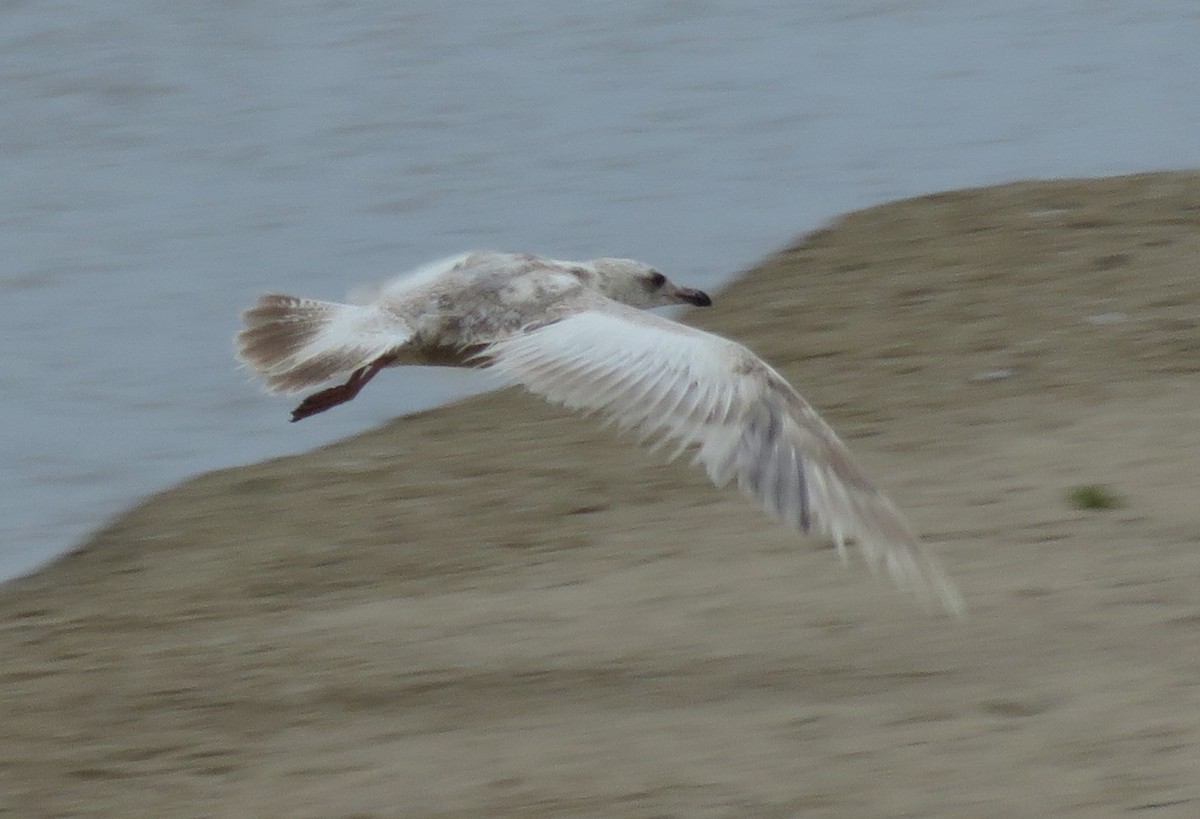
(331, 397)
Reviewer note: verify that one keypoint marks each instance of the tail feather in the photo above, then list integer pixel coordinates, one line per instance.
(296, 343)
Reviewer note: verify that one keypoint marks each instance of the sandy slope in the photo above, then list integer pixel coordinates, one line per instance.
(493, 609)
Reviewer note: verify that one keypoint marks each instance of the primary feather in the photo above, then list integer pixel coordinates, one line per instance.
(745, 423)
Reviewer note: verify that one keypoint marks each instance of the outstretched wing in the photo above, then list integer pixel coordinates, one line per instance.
(675, 383)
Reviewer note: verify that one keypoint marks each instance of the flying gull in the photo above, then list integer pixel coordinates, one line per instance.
(577, 334)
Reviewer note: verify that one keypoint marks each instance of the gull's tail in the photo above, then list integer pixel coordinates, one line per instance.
(297, 343)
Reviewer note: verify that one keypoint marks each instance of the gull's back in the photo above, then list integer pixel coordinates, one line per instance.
(477, 298)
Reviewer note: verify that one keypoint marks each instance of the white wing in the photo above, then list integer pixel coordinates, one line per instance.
(680, 384)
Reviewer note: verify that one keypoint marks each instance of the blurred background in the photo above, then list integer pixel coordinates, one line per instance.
(163, 163)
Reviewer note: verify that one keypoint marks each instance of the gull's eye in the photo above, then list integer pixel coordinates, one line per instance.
(657, 280)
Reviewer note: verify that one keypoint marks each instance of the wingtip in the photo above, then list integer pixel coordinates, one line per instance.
(952, 601)
(955, 603)
(938, 591)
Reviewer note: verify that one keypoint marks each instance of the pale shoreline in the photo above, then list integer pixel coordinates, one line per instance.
(495, 609)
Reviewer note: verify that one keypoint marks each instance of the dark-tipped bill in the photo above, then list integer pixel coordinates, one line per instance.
(690, 295)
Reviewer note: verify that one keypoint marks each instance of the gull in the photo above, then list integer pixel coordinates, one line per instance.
(578, 335)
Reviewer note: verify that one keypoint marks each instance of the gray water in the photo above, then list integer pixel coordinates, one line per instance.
(164, 162)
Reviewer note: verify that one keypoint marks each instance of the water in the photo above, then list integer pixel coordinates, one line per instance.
(163, 163)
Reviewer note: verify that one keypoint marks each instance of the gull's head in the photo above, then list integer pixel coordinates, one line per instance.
(640, 285)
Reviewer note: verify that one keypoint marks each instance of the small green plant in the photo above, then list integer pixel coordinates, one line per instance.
(1093, 496)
